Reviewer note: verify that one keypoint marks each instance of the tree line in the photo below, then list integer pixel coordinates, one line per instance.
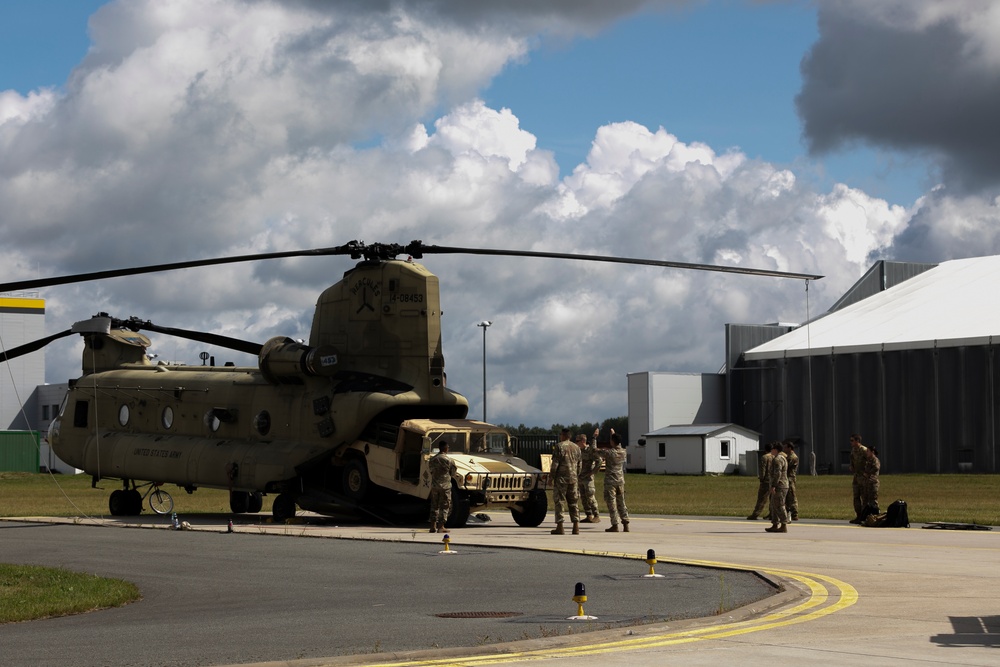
(619, 424)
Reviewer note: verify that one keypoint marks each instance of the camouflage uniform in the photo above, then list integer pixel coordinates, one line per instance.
(778, 480)
(565, 472)
(591, 463)
(791, 501)
(869, 482)
(442, 470)
(614, 485)
(763, 486)
(857, 467)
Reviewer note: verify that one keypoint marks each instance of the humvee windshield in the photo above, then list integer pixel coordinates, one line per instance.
(457, 442)
(490, 443)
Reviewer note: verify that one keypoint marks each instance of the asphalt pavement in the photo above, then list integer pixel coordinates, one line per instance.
(851, 595)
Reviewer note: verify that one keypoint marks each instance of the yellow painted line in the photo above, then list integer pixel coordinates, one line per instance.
(826, 596)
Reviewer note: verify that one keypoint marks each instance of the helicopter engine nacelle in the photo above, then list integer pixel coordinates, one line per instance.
(285, 361)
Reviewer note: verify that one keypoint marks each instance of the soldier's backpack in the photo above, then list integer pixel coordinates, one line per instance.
(896, 515)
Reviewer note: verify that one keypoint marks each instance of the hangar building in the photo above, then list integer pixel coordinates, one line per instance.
(907, 359)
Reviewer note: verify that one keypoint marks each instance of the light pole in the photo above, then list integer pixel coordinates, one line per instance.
(485, 324)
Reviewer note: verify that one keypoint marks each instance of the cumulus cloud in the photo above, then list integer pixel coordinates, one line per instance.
(914, 75)
(196, 129)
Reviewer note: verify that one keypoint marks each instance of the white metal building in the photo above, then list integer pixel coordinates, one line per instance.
(657, 399)
(698, 449)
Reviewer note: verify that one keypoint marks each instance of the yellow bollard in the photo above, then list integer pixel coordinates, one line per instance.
(447, 545)
(651, 560)
(579, 597)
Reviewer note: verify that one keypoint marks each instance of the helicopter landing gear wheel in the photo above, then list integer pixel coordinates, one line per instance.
(283, 508)
(256, 502)
(133, 501)
(239, 502)
(118, 503)
(357, 485)
(160, 501)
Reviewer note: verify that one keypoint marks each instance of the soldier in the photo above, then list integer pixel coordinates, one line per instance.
(442, 469)
(590, 464)
(763, 485)
(791, 500)
(857, 467)
(869, 481)
(565, 471)
(778, 481)
(614, 483)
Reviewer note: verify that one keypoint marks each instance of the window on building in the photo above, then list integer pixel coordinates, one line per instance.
(725, 446)
(662, 454)
(45, 413)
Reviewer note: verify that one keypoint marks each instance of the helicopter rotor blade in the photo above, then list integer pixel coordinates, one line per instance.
(384, 251)
(348, 249)
(28, 348)
(432, 249)
(199, 336)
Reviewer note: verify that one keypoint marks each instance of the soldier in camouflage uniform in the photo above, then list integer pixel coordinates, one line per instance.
(778, 480)
(857, 467)
(614, 483)
(565, 471)
(442, 469)
(869, 481)
(763, 485)
(591, 463)
(791, 501)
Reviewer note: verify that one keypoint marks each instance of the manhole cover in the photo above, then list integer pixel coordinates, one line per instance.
(479, 614)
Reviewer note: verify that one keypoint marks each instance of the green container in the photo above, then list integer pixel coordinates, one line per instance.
(19, 451)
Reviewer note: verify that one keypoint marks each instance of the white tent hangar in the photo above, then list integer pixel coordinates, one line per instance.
(912, 368)
(697, 449)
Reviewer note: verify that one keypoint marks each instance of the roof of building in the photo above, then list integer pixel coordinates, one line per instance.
(946, 306)
(699, 429)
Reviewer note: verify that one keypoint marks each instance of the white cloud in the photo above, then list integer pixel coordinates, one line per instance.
(199, 129)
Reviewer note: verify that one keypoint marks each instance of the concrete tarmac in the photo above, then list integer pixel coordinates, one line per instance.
(874, 595)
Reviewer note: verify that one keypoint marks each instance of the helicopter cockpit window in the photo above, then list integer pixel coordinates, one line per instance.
(457, 442)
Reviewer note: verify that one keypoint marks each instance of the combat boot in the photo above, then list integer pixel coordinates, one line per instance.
(783, 528)
(772, 529)
(434, 528)
(558, 530)
(440, 527)
(576, 527)
(596, 519)
(752, 517)
(612, 529)
(624, 526)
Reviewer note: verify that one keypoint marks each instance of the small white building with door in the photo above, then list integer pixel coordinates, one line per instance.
(698, 449)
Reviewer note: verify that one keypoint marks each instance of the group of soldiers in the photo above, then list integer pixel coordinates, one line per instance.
(572, 474)
(777, 470)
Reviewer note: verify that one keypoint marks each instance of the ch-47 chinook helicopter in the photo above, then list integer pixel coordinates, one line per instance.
(351, 418)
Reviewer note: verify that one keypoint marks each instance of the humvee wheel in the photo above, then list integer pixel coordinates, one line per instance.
(533, 510)
(356, 483)
(283, 508)
(460, 509)
(239, 502)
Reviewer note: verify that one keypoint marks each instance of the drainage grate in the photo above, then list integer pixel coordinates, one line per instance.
(480, 614)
